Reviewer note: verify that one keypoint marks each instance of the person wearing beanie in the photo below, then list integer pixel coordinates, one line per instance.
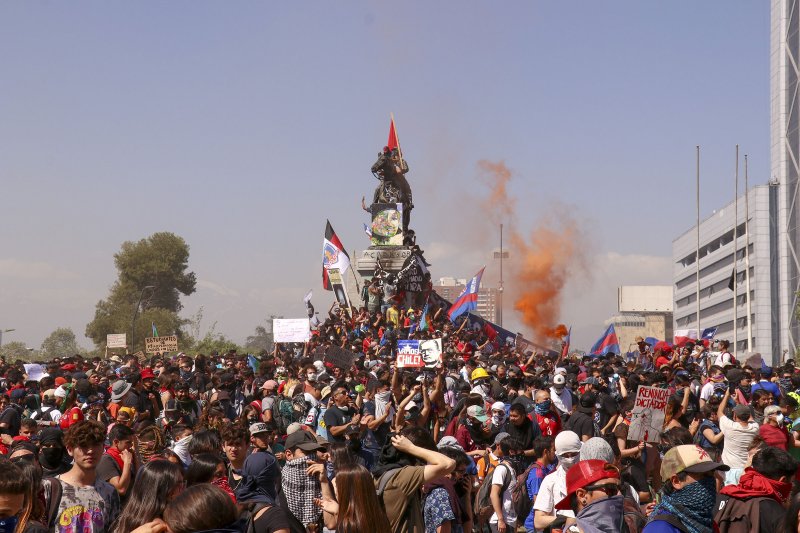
(52, 453)
(554, 486)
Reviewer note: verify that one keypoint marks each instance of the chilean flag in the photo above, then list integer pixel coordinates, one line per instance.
(684, 336)
(468, 300)
(709, 333)
(606, 344)
(333, 256)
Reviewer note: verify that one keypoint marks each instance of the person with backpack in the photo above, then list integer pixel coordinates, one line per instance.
(48, 414)
(504, 482)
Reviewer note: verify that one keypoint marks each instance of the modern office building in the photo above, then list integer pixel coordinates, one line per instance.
(717, 265)
(488, 303)
(785, 161)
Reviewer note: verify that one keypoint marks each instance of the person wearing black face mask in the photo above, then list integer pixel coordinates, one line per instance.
(52, 453)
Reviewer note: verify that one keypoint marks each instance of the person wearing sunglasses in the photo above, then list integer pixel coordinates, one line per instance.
(593, 494)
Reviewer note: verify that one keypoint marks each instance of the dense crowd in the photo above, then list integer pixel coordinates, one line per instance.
(489, 438)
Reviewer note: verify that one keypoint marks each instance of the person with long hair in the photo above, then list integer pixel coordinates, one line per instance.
(209, 468)
(189, 512)
(157, 483)
(359, 511)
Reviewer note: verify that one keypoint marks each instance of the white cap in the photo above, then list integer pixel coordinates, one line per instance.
(498, 406)
(559, 379)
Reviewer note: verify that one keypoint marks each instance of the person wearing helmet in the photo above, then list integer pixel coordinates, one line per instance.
(481, 383)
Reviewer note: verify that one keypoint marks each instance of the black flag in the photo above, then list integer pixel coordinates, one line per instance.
(732, 282)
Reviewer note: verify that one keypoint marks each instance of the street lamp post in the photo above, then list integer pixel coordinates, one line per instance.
(501, 255)
(5, 331)
(135, 313)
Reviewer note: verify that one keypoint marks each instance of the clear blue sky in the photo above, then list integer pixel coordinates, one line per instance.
(242, 127)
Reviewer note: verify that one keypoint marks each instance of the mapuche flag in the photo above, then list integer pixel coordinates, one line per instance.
(393, 142)
(468, 300)
(333, 256)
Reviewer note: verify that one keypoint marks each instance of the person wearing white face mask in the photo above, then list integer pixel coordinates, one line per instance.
(772, 430)
(561, 395)
(554, 485)
(498, 416)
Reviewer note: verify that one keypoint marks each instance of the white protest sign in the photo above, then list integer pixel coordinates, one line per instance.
(161, 344)
(291, 329)
(647, 417)
(431, 351)
(35, 372)
(408, 354)
(116, 340)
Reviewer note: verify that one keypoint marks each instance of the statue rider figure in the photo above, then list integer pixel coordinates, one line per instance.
(390, 169)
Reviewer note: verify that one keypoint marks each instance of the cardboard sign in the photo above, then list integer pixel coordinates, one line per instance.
(291, 329)
(161, 344)
(647, 417)
(408, 354)
(319, 353)
(338, 287)
(140, 355)
(340, 357)
(431, 352)
(116, 340)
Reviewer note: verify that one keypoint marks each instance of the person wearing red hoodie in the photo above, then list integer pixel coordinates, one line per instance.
(757, 502)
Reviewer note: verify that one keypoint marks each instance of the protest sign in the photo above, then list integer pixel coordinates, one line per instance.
(647, 417)
(140, 356)
(431, 352)
(408, 354)
(291, 329)
(319, 353)
(340, 357)
(337, 285)
(35, 372)
(116, 340)
(161, 344)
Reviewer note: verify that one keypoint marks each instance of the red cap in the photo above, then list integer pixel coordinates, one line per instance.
(585, 473)
(147, 373)
(69, 367)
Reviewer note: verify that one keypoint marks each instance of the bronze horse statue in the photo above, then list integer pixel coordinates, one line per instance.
(390, 169)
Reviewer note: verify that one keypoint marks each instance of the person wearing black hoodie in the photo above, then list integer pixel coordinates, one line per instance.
(53, 454)
(520, 428)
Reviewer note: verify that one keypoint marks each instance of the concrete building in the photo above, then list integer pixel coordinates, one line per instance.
(644, 311)
(785, 162)
(717, 265)
(488, 297)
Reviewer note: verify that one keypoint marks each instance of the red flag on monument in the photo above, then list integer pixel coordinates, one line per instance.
(393, 142)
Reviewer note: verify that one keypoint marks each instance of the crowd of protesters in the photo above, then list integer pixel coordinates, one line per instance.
(488, 439)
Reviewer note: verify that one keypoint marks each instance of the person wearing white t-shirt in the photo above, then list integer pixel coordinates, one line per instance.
(738, 435)
(504, 480)
(724, 357)
(716, 376)
(554, 486)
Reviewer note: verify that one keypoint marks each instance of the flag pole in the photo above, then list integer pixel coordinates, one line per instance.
(352, 270)
(697, 252)
(747, 255)
(735, 257)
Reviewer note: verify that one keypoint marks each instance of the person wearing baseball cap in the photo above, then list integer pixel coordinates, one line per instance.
(689, 491)
(593, 493)
(561, 396)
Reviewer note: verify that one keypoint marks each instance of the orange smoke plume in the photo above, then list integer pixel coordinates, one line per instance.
(541, 263)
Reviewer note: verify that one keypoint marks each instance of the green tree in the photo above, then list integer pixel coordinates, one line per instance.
(262, 339)
(60, 343)
(152, 275)
(16, 350)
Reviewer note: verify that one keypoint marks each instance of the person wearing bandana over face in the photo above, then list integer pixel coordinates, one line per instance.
(498, 417)
(52, 454)
(593, 493)
(554, 486)
(758, 502)
(548, 421)
(688, 493)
